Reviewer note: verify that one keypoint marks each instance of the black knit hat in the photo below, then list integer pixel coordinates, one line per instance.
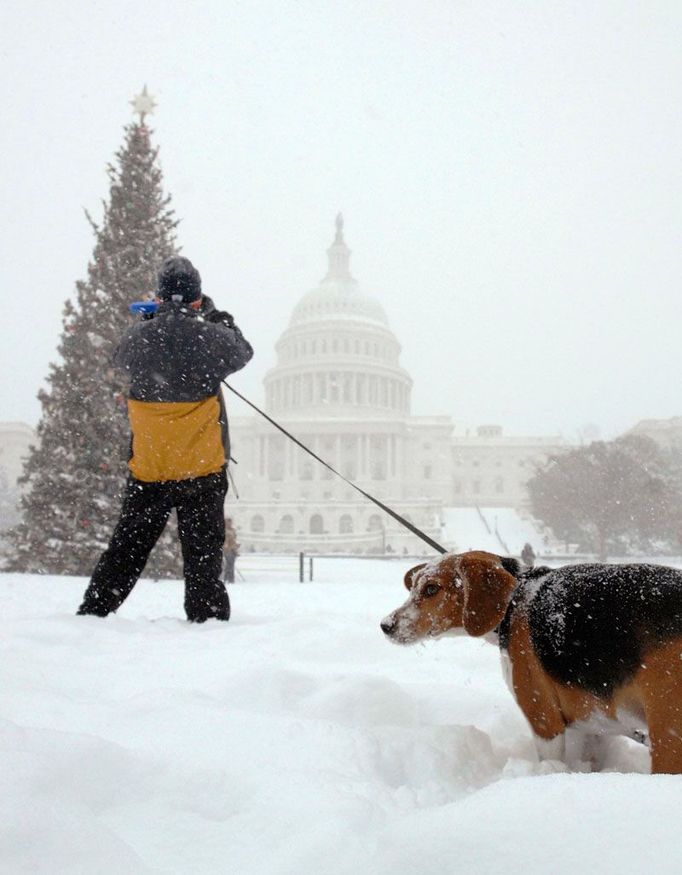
(178, 276)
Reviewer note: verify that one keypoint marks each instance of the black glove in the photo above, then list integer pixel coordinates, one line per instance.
(210, 314)
(220, 316)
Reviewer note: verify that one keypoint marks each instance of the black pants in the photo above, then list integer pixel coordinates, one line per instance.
(201, 525)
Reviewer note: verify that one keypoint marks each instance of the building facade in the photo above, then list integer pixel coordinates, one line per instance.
(15, 441)
(666, 432)
(338, 385)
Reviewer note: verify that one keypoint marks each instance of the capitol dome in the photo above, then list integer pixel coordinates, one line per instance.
(338, 351)
(338, 296)
(340, 299)
(339, 389)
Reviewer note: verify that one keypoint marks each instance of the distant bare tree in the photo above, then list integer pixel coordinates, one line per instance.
(623, 495)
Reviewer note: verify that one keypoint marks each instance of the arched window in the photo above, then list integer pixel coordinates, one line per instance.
(286, 525)
(346, 524)
(257, 523)
(374, 523)
(316, 524)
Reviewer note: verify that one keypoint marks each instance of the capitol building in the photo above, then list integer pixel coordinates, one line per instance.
(339, 387)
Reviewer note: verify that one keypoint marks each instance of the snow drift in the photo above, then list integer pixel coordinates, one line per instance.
(291, 739)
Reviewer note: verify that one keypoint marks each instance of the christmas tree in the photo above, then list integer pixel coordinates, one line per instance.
(74, 474)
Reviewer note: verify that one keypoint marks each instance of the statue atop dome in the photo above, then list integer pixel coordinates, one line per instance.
(339, 228)
(338, 255)
(338, 296)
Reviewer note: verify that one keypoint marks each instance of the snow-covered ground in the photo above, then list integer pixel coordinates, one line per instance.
(293, 739)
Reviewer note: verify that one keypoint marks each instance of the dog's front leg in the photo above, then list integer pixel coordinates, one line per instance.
(577, 749)
(585, 749)
(551, 748)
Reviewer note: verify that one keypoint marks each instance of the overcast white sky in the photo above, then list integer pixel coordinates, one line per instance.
(509, 172)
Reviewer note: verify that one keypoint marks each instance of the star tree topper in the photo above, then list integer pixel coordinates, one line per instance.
(143, 104)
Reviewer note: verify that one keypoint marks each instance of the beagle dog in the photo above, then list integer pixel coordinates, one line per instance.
(588, 650)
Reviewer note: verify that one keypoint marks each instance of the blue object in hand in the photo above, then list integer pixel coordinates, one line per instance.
(144, 308)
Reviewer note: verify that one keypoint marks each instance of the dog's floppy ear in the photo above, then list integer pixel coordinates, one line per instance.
(487, 591)
(409, 577)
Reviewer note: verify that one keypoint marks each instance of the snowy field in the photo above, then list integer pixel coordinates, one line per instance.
(293, 739)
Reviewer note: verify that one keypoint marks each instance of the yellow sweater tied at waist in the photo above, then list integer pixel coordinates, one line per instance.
(175, 440)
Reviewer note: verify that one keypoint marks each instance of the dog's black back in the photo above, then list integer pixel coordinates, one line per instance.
(592, 625)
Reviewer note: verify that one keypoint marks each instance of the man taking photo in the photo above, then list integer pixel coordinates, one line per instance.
(175, 362)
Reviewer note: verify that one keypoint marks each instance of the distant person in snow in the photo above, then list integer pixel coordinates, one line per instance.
(230, 550)
(528, 555)
(175, 362)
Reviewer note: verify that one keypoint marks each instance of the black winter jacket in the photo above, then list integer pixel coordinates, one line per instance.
(181, 354)
(175, 362)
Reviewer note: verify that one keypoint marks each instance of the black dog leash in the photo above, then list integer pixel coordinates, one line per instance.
(396, 516)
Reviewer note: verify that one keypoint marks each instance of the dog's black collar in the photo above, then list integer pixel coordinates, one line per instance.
(517, 597)
(502, 631)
